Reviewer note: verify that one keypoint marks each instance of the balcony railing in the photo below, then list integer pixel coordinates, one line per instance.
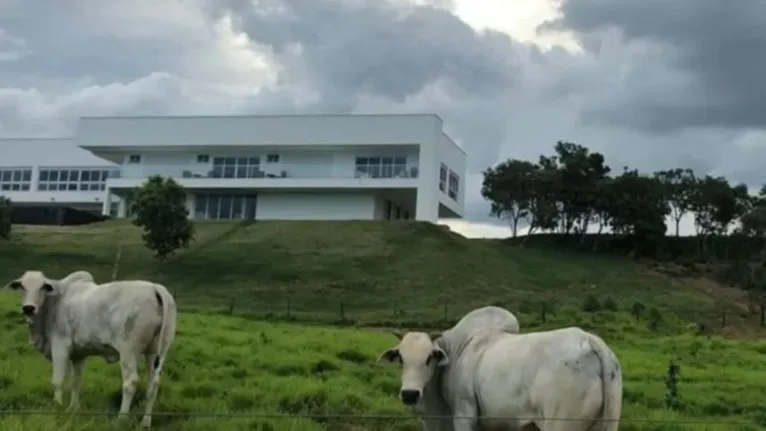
(281, 170)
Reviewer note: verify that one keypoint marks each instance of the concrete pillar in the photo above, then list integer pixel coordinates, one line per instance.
(106, 206)
(122, 208)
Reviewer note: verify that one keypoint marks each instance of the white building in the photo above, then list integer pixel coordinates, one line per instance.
(321, 167)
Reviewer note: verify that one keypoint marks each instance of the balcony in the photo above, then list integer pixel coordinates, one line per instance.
(277, 170)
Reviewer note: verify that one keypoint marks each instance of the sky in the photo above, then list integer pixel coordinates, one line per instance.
(652, 84)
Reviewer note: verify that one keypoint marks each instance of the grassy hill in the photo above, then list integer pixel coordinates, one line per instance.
(370, 273)
(366, 273)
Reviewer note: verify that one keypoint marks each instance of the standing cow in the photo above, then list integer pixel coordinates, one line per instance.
(427, 398)
(118, 321)
(560, 380)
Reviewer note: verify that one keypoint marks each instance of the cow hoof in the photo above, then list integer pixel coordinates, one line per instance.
(146, 422)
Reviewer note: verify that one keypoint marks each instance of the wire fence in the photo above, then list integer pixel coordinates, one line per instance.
(361, 417)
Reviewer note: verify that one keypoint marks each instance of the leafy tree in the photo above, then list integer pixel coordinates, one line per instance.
(5, 217)
(580, 172)
(509, 187)
(160, 210)
(638, 210)
(679, 187)
(543, 205)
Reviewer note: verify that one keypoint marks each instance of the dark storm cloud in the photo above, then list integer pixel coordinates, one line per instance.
(346, 48)
(718, 44)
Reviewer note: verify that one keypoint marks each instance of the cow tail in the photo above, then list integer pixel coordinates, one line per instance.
(167, 328)
(611, 384)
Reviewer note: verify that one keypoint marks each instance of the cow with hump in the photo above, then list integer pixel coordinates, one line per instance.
(74, 318)
(479, 376)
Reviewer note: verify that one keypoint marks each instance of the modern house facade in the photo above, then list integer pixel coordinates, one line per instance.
(303, 167)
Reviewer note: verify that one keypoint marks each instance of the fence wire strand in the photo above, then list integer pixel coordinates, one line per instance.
(356, 417)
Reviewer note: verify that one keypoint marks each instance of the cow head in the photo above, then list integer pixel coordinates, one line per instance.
(36, 287)
(419, 356)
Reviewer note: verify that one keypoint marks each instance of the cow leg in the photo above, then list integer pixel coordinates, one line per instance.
(465, 418)
(129, 367)
(74, 399)
(152, 386)
(60, 362)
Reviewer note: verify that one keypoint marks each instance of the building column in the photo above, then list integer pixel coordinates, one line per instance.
(190, 205)
(122, 208)
(427, 205)
(106, 206)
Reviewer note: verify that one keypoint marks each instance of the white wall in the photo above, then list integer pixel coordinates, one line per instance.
(284, 130)
(455, 159)
(53, 152)
(315, 206)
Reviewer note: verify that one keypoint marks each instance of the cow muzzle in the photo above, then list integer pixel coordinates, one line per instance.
(410, 397)
(28, 310)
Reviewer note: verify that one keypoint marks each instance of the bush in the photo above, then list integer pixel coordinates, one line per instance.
(637, 310)
(591, 304)
(160, 209)
(610, 304)
(5, 217)
(655, 319)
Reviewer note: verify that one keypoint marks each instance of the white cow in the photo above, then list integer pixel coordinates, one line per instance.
(493, 379)
(118, 321)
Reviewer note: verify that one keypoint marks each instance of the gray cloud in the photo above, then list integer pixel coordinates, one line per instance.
(643, 92)
(710, 49)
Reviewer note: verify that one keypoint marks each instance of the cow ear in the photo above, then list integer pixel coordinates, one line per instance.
(48, 288)
(439, 357)
(14, 285)
(434, 335)
(399, 334)
(390, 355)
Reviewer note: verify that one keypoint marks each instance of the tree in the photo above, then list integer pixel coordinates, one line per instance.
(679, 187)
(5, 217)
(508, 186)
(580, 172)
(160, 209)
(638, 210)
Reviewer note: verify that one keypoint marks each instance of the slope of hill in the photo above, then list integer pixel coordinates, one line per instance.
(394, 273)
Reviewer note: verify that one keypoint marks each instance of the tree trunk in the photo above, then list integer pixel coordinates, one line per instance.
(678, 223)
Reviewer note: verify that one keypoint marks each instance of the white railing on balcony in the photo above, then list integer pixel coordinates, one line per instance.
(281, 170)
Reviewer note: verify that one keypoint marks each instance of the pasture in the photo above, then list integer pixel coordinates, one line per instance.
(256, 351)
(223, 365)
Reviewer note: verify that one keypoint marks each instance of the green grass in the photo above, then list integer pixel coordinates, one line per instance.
(231, 365)
(390, 274)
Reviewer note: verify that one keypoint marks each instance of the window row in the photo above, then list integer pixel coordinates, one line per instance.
(15, 179)
(72, 179)
(449, 183)
(224, 207)
(384, 167)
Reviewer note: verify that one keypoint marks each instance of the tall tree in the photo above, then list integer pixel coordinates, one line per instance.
(679, 185)
(508, 186)
(580, 173)
(638, 209)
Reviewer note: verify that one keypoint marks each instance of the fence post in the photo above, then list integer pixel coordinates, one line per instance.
(723, 318)
(289, 308)
(117, 259)
(232, 302)
(342, 310)
(446, 312)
